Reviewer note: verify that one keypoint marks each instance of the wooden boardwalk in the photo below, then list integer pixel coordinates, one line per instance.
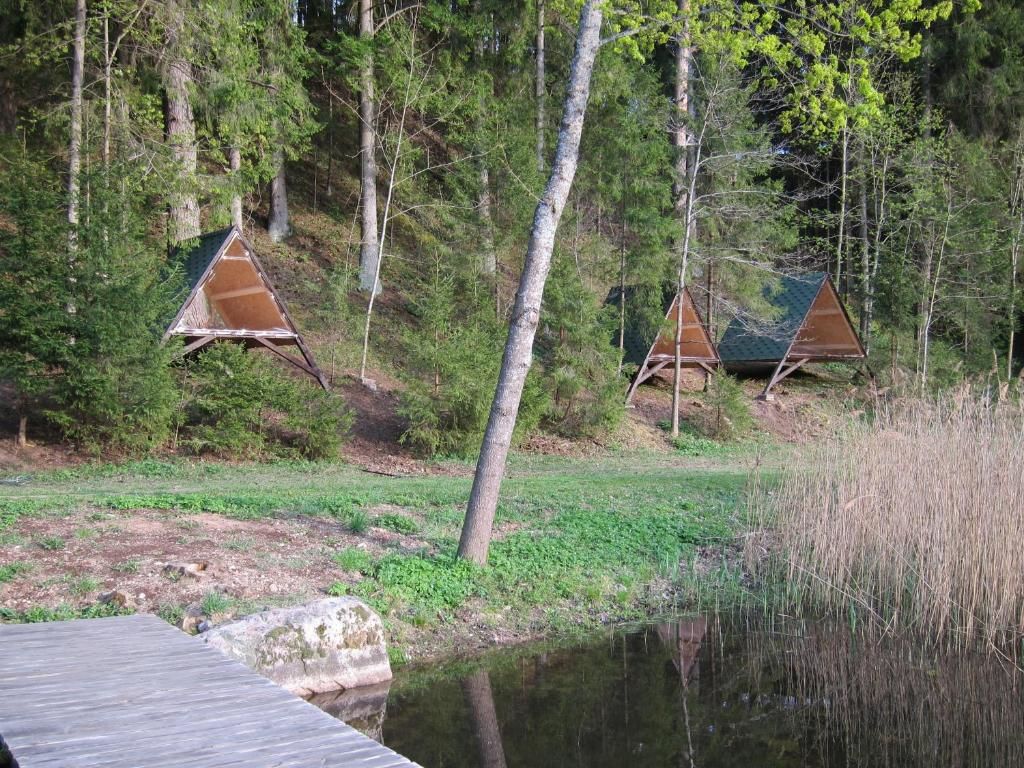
(134, 692)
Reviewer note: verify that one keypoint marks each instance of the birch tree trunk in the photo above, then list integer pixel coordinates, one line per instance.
(865, 255)
(369, 249)
(235, 158)
(841, 240)
(540, 91)
(488, 257)
(181, 130)
(684, 189)
(515, 365)
(75, 141)
(277, 225)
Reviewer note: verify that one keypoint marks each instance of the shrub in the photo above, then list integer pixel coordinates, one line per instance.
(580, 373)
(237, 403)
(452, 366)
(728, 414)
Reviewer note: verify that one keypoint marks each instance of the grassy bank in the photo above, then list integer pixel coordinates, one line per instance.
(576, 544)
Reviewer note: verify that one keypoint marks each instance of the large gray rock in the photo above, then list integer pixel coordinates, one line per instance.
(331, 644)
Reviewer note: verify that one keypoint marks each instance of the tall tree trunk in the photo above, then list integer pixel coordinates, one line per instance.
(22, 438)
(1016, 241)
(75, 142)
(539, 87)
(277, 224)
(684, 188)
(865, 254)
(515, 365)
(480, 700)
(841, 240)
(369, 249)
(107, 90)
(181, 130)
(235, 158)
(488, 257)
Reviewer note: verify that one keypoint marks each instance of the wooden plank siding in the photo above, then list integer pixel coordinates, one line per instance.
(133, 692)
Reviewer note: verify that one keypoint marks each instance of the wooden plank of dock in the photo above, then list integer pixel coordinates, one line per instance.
(134, 692)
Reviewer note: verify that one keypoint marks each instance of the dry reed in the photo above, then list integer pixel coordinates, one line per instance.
(914, 520)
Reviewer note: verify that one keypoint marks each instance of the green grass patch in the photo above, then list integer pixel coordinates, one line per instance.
(11, 571)
(398, 523)
(37, 614)
(353, 560)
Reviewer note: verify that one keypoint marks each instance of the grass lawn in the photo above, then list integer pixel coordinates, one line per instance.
(577, 543)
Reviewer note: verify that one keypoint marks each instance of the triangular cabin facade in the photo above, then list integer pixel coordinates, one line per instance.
(230, 297)
(814, 327)
(651, 345)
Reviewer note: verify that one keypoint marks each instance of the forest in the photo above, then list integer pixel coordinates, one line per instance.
(401, 165)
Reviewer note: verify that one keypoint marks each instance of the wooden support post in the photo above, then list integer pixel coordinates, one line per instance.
(307, 365)
(781, 372)
(192, 347)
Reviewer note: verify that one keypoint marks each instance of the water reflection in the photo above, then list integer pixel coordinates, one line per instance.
(713, 693)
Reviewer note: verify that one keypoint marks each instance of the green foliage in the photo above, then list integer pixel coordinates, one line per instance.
(353, 560)
(39, 613)
(727, 414)
(215, 603)
(117, 391)
(82, 323)
(51, 543)
(11, 571)
(358, 521)
(237, 403)
(580, 367)
(452, 366)
(393, 521)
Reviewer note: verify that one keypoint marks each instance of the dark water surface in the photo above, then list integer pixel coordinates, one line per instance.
(704, 693)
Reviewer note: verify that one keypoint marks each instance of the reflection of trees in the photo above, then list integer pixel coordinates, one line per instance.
(891, 702)
(683, 638)
(480, 700)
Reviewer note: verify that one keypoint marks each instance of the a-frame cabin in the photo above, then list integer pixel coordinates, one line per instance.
(651, 346)
(813, 326)
(230, 297)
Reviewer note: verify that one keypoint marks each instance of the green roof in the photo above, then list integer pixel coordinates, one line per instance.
(195, 261)
(793, 298)
(645, 316)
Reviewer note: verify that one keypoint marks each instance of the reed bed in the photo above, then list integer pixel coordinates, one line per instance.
(916, 521)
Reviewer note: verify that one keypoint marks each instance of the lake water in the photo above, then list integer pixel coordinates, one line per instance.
(694, 692)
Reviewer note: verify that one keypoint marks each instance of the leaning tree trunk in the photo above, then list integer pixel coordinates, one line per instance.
(277, 224)
(181, 131)
(369, 249)
(683, 194)
(75, 142)
(515, 365)
(540, 91)
(235, 158)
